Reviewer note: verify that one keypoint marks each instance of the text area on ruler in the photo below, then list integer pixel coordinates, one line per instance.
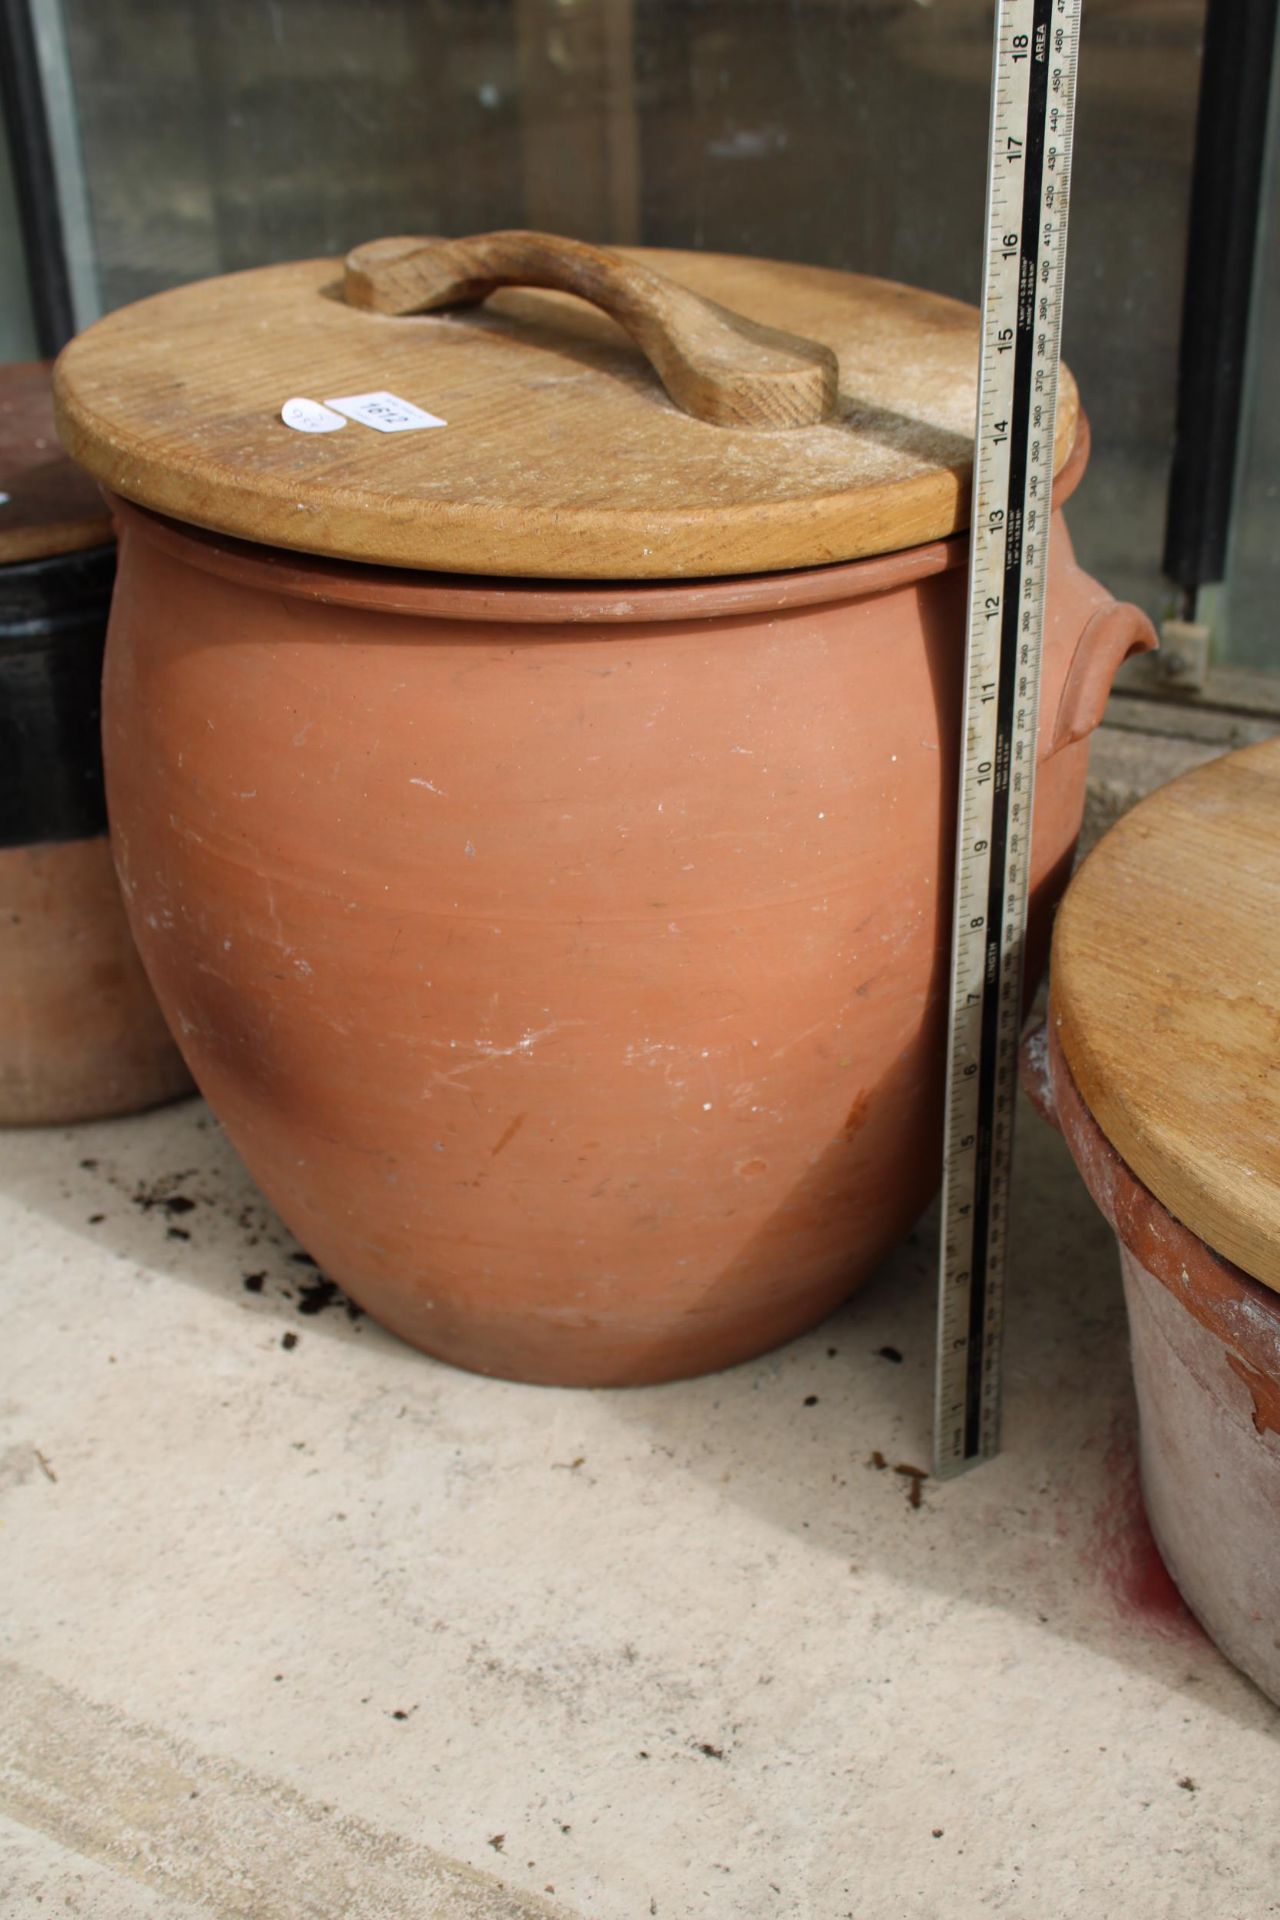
(1032, 111)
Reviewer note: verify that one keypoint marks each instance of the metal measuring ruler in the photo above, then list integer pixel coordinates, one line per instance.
(1032, 108)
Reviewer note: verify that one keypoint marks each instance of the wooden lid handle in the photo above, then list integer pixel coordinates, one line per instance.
(715, 364)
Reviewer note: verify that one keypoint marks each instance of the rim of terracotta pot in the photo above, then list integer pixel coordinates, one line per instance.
(524, 602)
(1235, 1307)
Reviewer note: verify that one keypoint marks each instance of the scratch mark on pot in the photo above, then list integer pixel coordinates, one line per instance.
(487, 1052)
(277, 925)
(526, 1043)
(428, 784)
(648, 1051)
(509, 1134)
(797, 1039)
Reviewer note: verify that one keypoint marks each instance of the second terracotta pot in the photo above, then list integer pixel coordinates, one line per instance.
(569, 964)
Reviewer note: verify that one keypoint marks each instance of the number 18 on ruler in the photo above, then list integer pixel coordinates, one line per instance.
(1032, 103)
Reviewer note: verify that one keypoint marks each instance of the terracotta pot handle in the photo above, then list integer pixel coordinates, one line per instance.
(1112, 633)
(716, 365)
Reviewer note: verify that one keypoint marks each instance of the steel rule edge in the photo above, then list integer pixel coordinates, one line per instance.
(1031, 124)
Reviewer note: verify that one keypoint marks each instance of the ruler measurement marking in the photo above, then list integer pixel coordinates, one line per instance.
(1027, 199)
(992, 1164)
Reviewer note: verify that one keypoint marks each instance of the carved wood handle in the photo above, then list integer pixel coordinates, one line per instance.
(716, 365)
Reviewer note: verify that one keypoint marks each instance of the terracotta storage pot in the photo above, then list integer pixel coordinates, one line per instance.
(81, 1036)
(565, 956)
(1164, 1007)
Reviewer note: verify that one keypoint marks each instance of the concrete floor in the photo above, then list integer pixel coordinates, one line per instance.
(298, 1623)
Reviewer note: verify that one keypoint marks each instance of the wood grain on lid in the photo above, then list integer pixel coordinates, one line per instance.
(562, 457)
(1166, 998)
(51, 505)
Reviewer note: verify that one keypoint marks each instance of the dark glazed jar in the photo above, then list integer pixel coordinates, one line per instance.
(81, 1036)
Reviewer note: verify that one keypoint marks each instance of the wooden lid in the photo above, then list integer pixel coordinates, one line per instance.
(50, 505)
(563, 456)
(1166, 999)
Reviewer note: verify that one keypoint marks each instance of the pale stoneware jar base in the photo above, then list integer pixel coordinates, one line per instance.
(1205, 1340)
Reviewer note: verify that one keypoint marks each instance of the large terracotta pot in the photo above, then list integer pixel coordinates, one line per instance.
(568, 963)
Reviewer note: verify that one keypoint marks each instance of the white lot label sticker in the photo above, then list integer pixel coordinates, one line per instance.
(308, 416)
(385, 411)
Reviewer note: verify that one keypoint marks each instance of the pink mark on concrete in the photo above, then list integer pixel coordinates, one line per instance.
(1122, 1549)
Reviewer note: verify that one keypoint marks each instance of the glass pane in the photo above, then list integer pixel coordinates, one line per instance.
(849, 133)
(17, 327)
(1251, 634)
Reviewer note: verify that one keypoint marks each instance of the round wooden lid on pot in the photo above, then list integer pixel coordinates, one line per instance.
(48, 505)
(1165, 995)
(640, 415)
